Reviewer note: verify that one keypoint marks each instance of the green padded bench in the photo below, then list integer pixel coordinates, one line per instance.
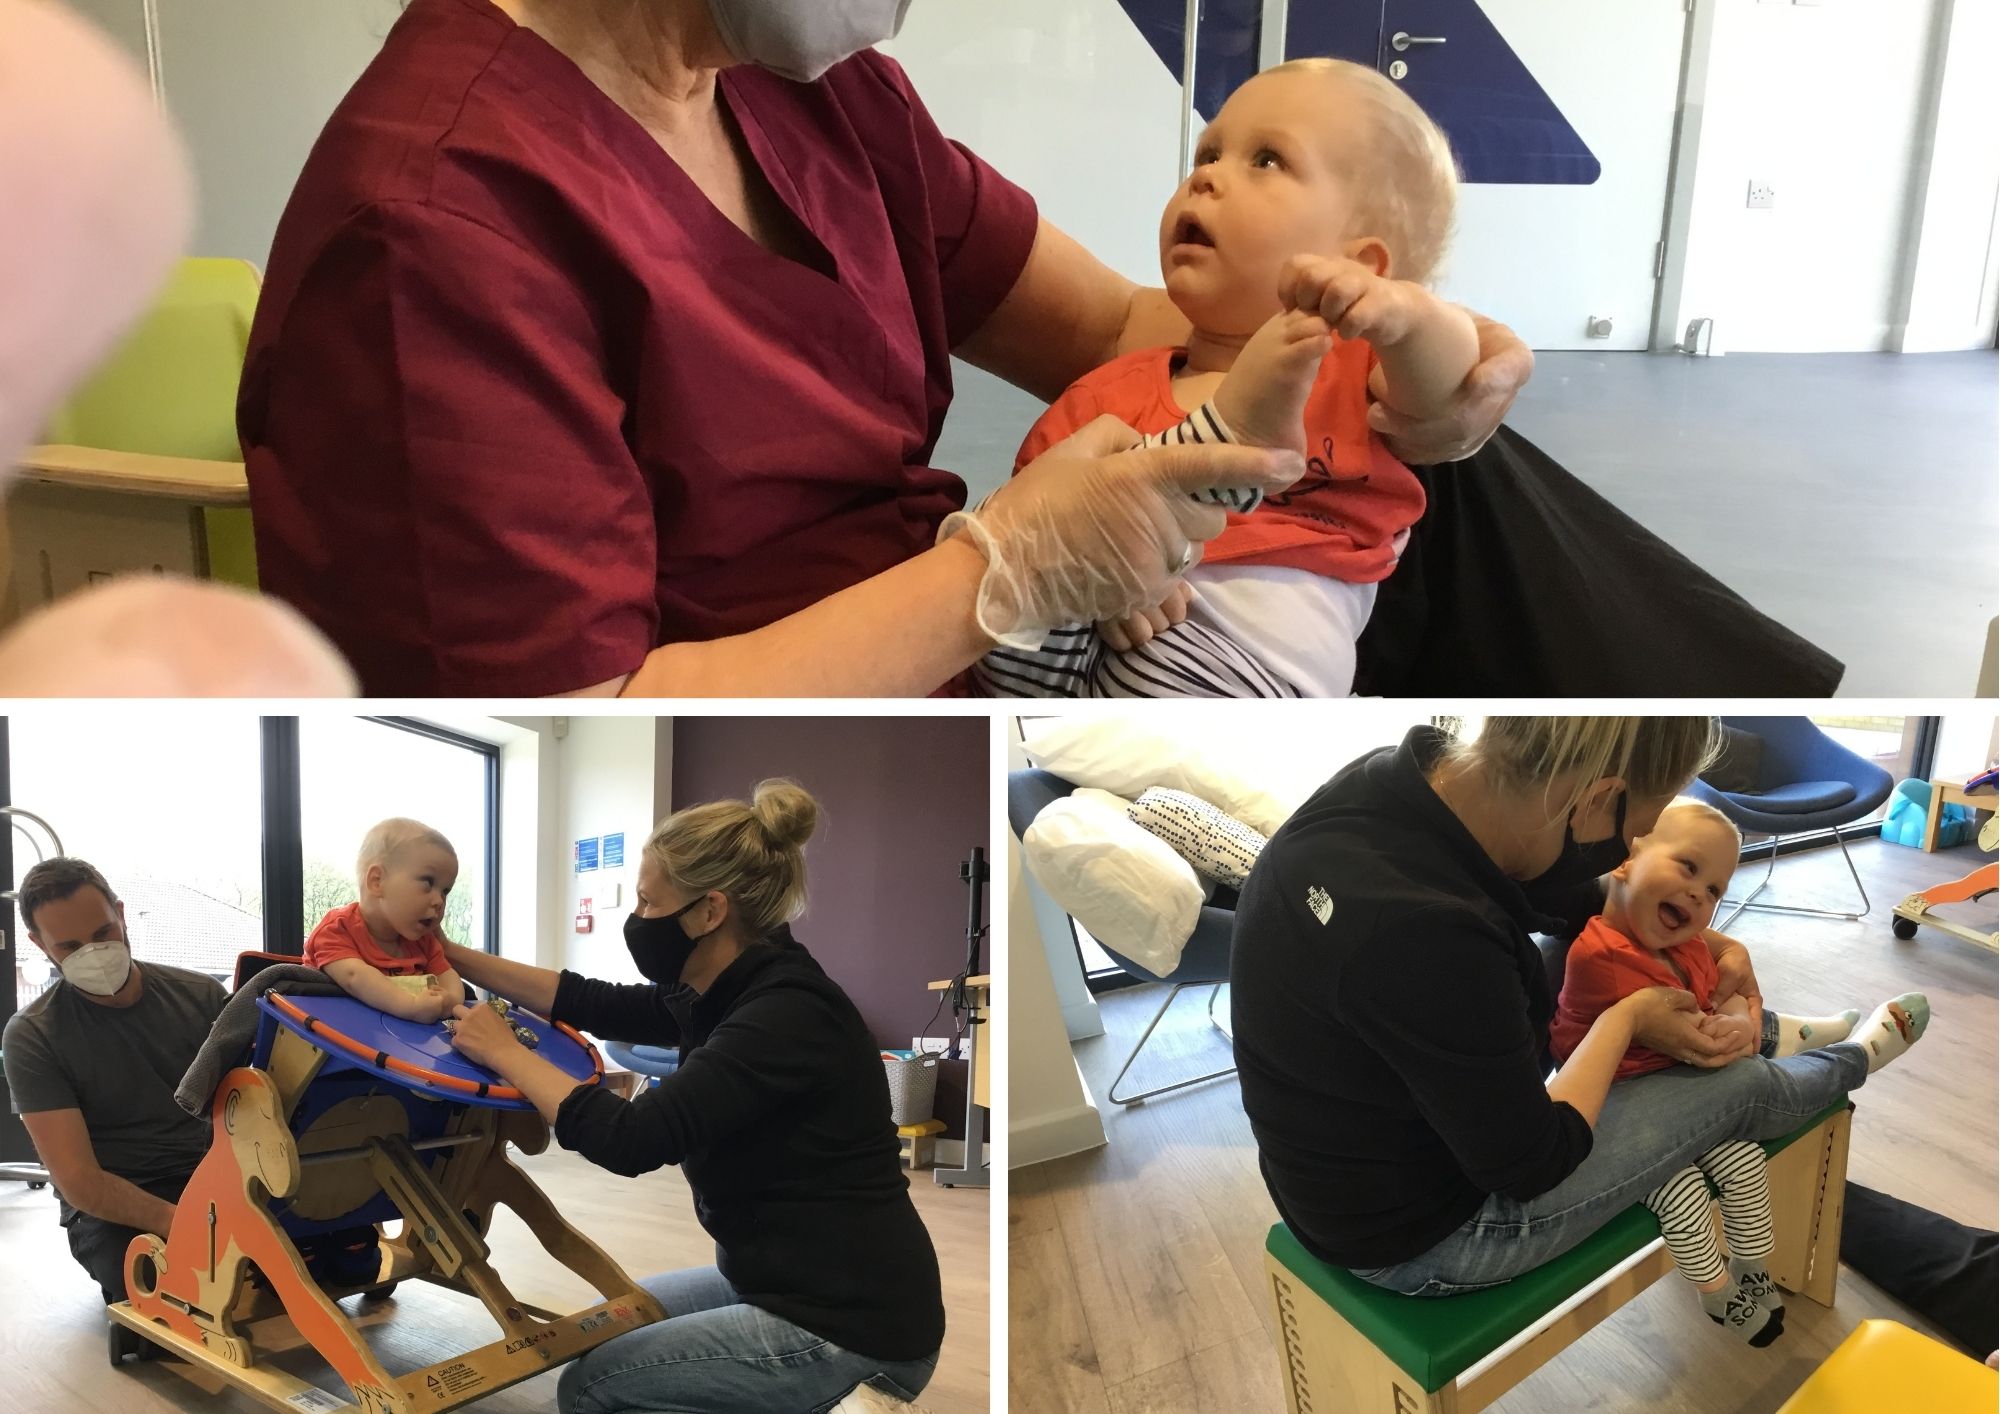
(1351, 1348)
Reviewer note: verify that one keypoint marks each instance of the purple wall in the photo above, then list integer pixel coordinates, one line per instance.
(902, 802)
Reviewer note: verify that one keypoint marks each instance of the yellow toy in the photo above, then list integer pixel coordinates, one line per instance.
(1882, 1365)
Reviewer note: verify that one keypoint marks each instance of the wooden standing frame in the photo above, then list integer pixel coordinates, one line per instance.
(191, 1291)
(1329, 1365)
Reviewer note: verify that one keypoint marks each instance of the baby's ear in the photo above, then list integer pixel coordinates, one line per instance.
(1371, 251)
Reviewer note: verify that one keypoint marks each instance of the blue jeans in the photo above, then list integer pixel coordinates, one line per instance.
(1651, 1127)
(716, 1354)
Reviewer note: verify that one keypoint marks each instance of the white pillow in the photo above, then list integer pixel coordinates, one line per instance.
(1218, 846)
(1127, 887)
(1127, 752)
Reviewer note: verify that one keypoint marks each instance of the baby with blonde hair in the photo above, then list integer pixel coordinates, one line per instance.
(385, 949)
(1654, 932)
(1299, 247)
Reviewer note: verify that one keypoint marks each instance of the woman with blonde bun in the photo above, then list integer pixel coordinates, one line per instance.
(825, 1286)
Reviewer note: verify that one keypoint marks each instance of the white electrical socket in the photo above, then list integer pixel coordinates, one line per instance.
(930, 1045)
(1762, 195)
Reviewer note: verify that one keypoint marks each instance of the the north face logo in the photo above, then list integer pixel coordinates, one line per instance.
(1320, 902)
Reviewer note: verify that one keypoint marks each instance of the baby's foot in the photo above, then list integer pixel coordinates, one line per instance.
(1753, 1278)
(1892, 1028)
(1737, 1311)
(1809, 1033)
(1263, 398)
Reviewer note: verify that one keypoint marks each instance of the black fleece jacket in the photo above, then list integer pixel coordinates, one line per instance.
(779, 1117)
(1392, 1019)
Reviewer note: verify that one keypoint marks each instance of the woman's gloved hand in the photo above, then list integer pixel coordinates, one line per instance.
(1098, 527)
(1481, 403)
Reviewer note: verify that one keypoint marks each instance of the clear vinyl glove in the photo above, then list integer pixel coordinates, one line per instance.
(1098, 526)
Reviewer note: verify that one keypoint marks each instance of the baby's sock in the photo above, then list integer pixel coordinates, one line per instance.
(1809, 1033)
(1753, 1278)
(1892, 1028)
(1736, 1309)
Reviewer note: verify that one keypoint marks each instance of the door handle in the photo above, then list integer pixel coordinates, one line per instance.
(1402, 40)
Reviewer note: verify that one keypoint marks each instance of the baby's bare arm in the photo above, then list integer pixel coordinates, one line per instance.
(1420, 374)
(366, 984)
(1426, 345)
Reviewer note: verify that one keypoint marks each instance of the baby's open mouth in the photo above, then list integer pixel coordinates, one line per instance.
(1188, 231)
(1673, 918)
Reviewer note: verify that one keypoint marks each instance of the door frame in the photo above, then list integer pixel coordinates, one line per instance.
(1669, 290)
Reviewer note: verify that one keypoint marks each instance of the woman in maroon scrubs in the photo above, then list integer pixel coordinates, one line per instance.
(592, 358)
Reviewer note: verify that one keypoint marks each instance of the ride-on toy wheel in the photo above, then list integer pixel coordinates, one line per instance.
(1906, 928)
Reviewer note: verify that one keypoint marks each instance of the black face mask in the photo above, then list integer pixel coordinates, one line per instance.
(660, 947)
(1581, 863)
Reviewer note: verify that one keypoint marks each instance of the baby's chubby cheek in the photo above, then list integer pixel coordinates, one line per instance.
(1222, 298)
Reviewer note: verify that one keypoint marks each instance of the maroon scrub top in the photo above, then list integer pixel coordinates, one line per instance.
(521, 404)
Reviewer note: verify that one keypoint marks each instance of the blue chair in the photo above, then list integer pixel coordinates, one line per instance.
(1204, 961)
(1804, 781)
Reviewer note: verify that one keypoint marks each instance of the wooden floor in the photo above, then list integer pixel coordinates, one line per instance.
(1135, 1276)
(52, 1341)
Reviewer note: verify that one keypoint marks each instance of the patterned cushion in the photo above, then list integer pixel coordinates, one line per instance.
(1219, 846)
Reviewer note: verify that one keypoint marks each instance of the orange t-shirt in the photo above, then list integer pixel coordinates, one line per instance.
(1342, 518)
(344, 933)
(1605, 966)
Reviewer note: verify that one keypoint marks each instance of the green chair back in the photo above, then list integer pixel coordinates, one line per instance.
(170, 389)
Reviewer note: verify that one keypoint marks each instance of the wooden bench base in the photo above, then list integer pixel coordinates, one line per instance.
(1329, 1367)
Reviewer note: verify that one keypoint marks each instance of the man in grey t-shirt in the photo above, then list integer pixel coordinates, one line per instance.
(92, 1065)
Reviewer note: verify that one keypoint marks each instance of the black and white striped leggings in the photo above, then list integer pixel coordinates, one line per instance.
(1736, 1169)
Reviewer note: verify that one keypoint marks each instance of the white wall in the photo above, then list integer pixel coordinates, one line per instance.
(1828, 103)
(250, 83)
(1966, 744)
(613, 773)
(1065, 98)
(1953, 283)
(1049, 1112)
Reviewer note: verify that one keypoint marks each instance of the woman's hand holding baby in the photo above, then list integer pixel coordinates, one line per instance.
(1740, 1033)
(1097, 526)
(1666, 1019)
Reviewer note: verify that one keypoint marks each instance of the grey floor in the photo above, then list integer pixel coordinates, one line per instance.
(1853, 497)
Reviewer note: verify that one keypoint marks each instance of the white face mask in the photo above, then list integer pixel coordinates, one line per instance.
(98, 968)
(802, 39)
